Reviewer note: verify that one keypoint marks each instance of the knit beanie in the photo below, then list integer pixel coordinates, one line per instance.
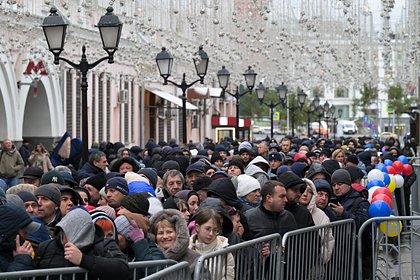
(291, 180)
(150, 174)
(238, 164)
(15, 199)
(245, 147)
(215, 157)
(27, 196)
(97, 181)
(118, 183)
(202, 183)
(353, 159)
(51, 192)
(123, 226)
(134, 177)
(323, 185)
(341, 176)
(355, 173)
(282, 169)
(136, 203)
(170, 165)
(52, 176)
(108, 210)
(330, 165)
(247, 184)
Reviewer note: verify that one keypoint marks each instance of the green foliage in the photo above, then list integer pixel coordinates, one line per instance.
(398, 100)
(369, 96)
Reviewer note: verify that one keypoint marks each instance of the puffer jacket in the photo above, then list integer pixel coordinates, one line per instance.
(11, 163)
(320, 218)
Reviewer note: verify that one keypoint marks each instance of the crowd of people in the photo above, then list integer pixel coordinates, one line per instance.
(175, 201)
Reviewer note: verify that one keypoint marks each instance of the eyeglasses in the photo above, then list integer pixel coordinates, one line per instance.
(215, 231)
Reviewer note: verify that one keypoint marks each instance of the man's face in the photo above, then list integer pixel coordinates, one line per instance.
(278, 200)
(36, 182)
(223, 154)
(319, 176)
(285, 146)
(31, 208)
(46, 209)
(102, 163)
(94, 194)
(322, 199)
(340, 189)
(245, 156)
(192, 176)
(114, 198)
(219, 163)
(293, 195)
(173, 185)
(262, 149)
(274, 164)
(66, 204)
(7, 144)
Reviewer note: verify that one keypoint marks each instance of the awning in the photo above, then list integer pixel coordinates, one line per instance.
(203, 92)
(171, 98)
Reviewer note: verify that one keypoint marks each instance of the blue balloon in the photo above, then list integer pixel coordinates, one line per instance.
(379, 208)
(403, 159)
(388, 162)
(375, 183)
(387, 179)
(381, 167)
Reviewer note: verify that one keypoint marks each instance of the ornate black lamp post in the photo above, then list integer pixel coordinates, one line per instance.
(164, 61)
(55, 29)
(223, 77)
(320, 110)
(311, 109)
(327, 113)
(301, 97)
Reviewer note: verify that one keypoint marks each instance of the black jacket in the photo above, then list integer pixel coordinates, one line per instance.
(302, 215)
(103, 259)
(88, 170)
(262, 222)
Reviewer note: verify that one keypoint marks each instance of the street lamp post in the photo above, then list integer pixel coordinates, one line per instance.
(261, 90)
(301, 97)
(223, 77)
(110, 28)
(327, 112)
(320, 110)
(311, 109)
(164, 61)
(332, 112)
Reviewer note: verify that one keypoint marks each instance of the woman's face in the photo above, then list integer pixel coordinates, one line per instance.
(207, 232)
(306, 197)
(165, 237)
(125, 167)
(84, 197)
(193, 203)
(38, 148)
(340, 157)
(183, 208)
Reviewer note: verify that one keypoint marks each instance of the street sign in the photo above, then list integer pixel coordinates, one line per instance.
(389, 109)
(276, 116)
(365, 118)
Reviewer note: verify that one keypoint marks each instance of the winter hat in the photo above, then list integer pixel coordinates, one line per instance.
(107, 210)
(186, 194)
(51, 192)
(299, 168)
(245, 147)
(136, 203)
(141, 187)
(247, 184)
(150, 174)
(219, 174)
(341, 176)
(198, 167)
(274, 146)
(291, 180)
(330, 165)
(275, 156)
(27, 196)
(103, 193)
(118, 183)
(169, 165)
(317, 168)
(202, 183)
(32, 172)
(225, 190)
(220, 148)
(123, 226)
(16, 218)
(52, 176)
(98, 181)
(14, 199)
(215, 157)
(353, 159)
(68, 178)
(323, 185)
(282, 169)
(355, 173)
(134, 177)
(238, 164)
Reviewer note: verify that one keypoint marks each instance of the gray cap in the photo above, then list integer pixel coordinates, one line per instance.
(51, 192)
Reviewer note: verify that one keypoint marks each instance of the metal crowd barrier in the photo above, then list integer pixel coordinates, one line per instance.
(179, 271)
(415, 189)
(309, 253)
(394, 254)
(145, 268)
(248, 259)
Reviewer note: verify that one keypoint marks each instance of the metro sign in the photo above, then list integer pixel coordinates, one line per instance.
(35, 71)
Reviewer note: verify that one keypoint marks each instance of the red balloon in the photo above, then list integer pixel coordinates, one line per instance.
(398, 166)
(407, 169)
(384, 198)
(391, 170)
(385, 191)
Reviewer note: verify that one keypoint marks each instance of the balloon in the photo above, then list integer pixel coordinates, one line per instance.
(392, 185)
(371, 191)
(403, 159)
(391, 170)
(387, 179)
(375, 182)
(382, 197)
(385, 191)
(379, 208)
(388, 162)
(399, 181)
(380, 166)
(375, 174)
(391, 228)
(407, 169)
(398, 166)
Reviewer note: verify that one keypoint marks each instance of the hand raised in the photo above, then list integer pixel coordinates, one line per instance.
(72, 253)
(24, 249)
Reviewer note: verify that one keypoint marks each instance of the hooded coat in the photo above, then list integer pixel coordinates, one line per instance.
(320, 218)
(179, 251)
(256, 171)
(11, 163)
(101, 257)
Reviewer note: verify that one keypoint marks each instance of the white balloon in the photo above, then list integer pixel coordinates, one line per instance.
(399, 181)
(371, 191)
(375, 174)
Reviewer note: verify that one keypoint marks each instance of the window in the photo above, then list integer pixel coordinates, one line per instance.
(341, 92)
